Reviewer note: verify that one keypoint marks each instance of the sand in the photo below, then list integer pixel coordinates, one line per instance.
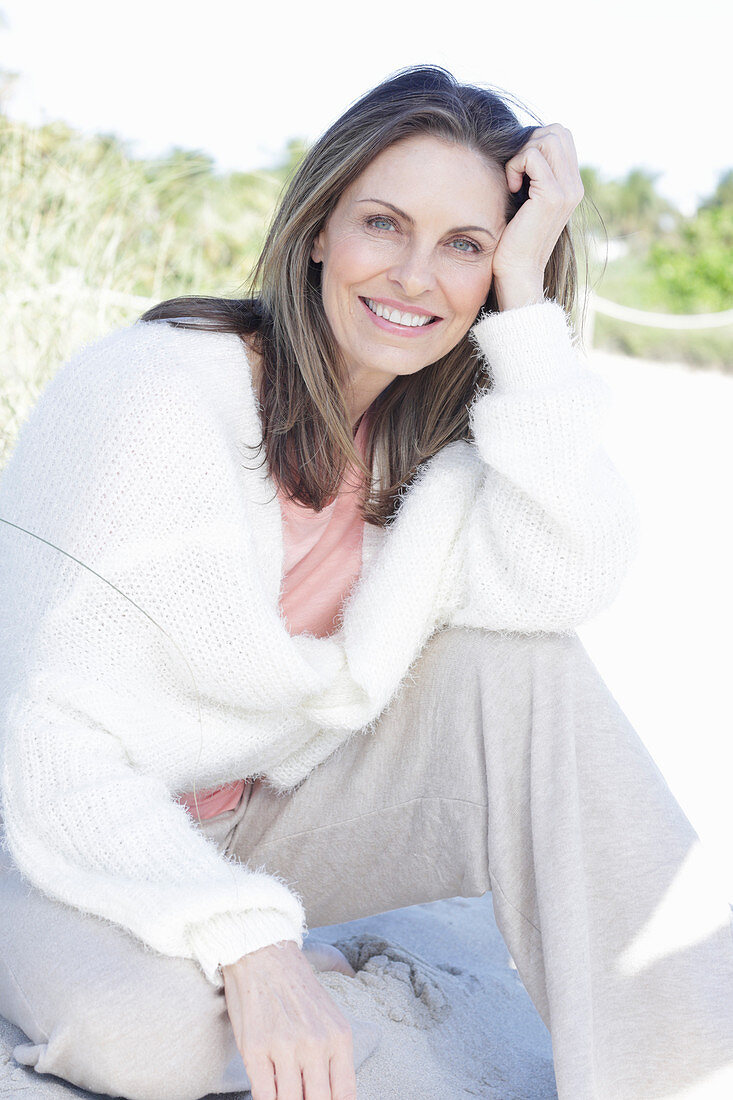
(436, 979)
(437, 982)
(455, 1019)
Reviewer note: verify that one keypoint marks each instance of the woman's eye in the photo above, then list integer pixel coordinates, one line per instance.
(380, 222)
(462, 244)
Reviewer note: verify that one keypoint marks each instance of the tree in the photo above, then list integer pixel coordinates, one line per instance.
(694, 267)
(630, 207)
(722, 196)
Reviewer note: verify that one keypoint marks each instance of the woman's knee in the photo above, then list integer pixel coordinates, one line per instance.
(501, 681)
(163, 1037)
(98, 1008)
(465, 650)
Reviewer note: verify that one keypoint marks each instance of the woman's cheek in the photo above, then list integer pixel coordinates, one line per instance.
(470, 292)
(369, 258)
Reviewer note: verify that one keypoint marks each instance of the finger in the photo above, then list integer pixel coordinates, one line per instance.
(555, 130)
(518, 165)
(317, 1081)
(324, 956)
(343, 1075)
(553, 148)
(558, 148)
(558, 188)
(531, 162)
(288, 1079)
(562, 157)
(261, 1073)
(514, 176)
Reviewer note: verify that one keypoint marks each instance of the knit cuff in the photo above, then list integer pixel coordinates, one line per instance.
(225, 937)
(526, 347)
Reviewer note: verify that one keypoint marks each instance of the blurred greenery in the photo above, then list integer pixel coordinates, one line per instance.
(631, 208)
(90, 235)
(645, 254)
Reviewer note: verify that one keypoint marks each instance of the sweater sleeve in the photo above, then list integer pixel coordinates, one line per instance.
(554, 527)
(103, 472)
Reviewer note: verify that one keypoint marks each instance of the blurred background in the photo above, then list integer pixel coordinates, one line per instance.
(143, 147)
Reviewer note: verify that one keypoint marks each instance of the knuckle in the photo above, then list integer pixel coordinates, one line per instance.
(283, 1046)
(256, 1052)
(282, 1053)
(314, 1045)
(257, 1066)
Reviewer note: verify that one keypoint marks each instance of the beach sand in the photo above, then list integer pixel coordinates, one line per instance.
(454, 1017)
(437, 982)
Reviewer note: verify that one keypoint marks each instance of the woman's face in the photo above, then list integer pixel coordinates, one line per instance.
(407, 257)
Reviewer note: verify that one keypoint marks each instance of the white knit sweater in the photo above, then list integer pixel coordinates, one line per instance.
(115, 699)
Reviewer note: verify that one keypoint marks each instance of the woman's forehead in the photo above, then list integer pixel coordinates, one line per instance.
(424, 170)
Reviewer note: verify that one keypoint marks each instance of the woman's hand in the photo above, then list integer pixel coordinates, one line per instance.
(294, 1040)
(550, 162)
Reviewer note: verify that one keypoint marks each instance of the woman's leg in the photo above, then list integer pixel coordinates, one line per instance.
(101, 1011)
(505, 763)
(585, 844)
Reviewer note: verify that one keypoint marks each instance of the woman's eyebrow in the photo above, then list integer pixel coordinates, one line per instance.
(411, 221)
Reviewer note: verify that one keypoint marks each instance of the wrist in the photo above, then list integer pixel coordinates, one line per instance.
(514, 293)
(254, 956)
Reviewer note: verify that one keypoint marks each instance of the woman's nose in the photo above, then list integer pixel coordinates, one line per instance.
(413, 272)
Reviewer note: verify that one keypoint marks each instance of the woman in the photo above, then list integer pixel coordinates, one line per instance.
(346, 679)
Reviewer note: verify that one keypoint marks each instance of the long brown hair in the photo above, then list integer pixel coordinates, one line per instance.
(307, 435)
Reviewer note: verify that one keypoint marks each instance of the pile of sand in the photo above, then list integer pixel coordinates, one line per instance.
(437, 983)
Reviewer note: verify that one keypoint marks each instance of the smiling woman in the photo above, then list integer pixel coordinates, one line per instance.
(365, 690)
(420, 178)
(414, 273)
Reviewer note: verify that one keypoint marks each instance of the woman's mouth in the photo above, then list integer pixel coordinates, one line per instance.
(398, 319)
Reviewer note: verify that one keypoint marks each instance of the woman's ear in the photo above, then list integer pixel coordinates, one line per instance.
(317, 250)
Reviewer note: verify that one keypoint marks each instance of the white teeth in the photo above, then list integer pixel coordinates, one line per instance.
(408, 320)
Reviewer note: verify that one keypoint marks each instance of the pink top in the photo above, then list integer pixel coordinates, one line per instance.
(322, 560)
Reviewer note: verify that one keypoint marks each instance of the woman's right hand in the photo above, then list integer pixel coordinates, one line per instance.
(294, 1040)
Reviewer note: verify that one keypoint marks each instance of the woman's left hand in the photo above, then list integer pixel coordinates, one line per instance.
(550, 162)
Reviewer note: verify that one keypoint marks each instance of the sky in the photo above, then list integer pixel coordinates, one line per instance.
(640, 83)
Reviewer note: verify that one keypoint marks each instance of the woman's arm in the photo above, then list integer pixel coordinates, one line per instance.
(554, 526)
(98, 703)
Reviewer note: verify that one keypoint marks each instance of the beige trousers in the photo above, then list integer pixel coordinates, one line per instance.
(503, 763)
